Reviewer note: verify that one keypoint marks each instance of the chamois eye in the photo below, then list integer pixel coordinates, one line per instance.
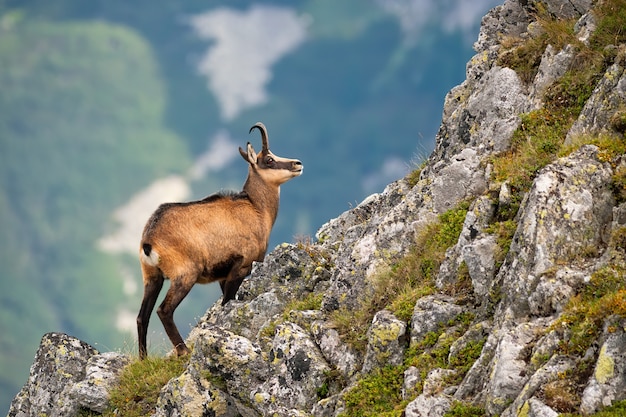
(270, 161)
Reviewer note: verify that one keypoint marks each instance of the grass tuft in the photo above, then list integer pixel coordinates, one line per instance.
(140, 384)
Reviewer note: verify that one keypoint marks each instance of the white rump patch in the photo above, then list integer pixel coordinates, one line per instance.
(152, 260)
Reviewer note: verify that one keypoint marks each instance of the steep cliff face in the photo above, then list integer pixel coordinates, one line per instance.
(491, 282)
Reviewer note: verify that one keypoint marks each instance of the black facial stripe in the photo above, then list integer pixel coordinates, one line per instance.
(277, 164)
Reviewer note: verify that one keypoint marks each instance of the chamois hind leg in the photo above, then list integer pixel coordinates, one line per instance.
(153, 282)
(234, 279)
(178, 290)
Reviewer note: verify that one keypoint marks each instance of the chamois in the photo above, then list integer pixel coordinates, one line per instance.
(214, 239)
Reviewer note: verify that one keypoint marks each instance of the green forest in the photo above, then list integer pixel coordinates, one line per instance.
(99, 99)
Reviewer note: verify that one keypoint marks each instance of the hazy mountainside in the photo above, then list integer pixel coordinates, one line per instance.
(109, 108)
(69, 156)
(489, 282)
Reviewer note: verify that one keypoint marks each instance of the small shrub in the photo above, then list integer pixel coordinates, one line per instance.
(561, 395)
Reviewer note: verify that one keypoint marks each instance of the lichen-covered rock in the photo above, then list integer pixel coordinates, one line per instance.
(508, 366)
(428, 406)
(298, 371)
(238, 361)
(556, 366)
(430, 314)
(60, 363)
(338, 354)
(191, 395)
(536, 408)
(608, 382)
(386, 342)
(102, 374)
(566, 214)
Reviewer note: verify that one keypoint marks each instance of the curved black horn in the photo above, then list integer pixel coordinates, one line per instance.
(263, 130)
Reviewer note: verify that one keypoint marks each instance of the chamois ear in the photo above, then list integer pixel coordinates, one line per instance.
(249, 156)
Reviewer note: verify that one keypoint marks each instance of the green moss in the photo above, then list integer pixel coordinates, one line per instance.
(461, 409)
(377, 394)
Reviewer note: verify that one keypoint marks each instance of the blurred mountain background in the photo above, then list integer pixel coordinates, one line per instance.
(109, 108)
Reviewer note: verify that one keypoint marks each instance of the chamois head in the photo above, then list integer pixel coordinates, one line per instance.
(273, 169)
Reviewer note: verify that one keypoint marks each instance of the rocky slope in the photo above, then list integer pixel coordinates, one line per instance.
(523, 312)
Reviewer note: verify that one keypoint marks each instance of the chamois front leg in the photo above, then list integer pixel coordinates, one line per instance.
(179, 288)
(234, 279)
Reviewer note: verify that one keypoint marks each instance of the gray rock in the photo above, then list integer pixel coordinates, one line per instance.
(552, 67)
(585, 27)
(60, 363)
(566, 214)
(607, 99)
(435, 381)
(297, 371)
(508, 366)
(567, 9)
(608, 382)
(508, 19)
(458, 180)
(338, 354)
(430, 314)
(535, 408)
(474, 248)
(556, 366)
(386, 342)
(411, 379)
(428, 406)
(102, 374)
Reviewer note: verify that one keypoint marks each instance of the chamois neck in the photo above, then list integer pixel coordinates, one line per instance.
(265, 197)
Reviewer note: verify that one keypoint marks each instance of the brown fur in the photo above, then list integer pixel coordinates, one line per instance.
(214, 239)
